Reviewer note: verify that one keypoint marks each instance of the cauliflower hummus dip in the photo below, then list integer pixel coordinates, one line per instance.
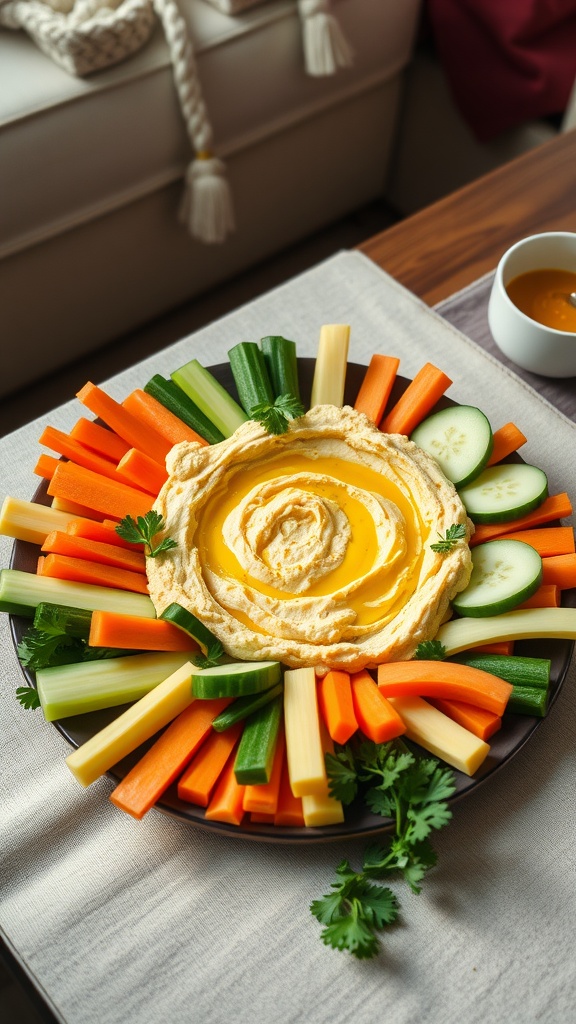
(312, 547)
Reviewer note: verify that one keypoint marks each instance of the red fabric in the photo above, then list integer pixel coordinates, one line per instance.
(506, 61)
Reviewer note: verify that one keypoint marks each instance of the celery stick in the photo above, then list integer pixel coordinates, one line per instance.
(92, 685)
(21, 592)
(30, 521)
(210, 397)
(134, 726)
(331, 362)
(282, 365)
(522, 624)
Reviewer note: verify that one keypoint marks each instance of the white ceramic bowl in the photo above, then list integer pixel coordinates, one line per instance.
(529, 344)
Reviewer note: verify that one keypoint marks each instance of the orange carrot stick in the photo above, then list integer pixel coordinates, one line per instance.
(130, 632)
(197, 783)
(90, 490)
(560, 570)
(418, 400)
(263, 799)
(444, 679)
(100, 439)
(289, 811)
(150, 777)
(548, 595)
(556, 506)
(506, 439)
(141, 471)
(547, 540)
(60, 543)
(375, 389)
(479, 721)
(336, 705)
(104, 533)
(267, 819)
(46, 466)
(150, 411)
(137, 434)
(80, 570)
(62, 443)
(226, 803)
(498, 647)
(375, 715)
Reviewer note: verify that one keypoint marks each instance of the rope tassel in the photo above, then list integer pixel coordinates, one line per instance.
(325, 46)
(207, 203)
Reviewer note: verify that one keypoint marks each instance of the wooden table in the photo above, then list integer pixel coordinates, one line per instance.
(445, 246)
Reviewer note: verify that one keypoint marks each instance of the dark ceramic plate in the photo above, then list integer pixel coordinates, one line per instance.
(515, 732)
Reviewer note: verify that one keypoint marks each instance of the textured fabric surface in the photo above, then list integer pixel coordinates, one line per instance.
(117, 920)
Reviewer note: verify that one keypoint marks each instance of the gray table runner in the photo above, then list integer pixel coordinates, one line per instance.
(121, 921)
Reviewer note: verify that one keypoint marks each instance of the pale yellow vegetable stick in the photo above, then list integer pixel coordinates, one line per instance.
(30, 521)
(304, 752)
(331, 362)
(133, 727)
(525, 623)
(440, 735)
(322, 808)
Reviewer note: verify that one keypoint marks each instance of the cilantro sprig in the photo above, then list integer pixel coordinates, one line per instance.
(453, 534)
(143, 530)
(275, 417)
(412, 792)
(213, 656)
(430, 650)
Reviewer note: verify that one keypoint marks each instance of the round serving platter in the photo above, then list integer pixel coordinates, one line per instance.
(359, 822)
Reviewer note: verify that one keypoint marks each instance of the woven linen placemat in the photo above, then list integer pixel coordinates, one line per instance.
(119, 921)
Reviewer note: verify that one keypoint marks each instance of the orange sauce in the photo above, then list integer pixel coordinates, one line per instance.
(543, 296)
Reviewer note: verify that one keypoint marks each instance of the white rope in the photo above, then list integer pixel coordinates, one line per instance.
(325, 46)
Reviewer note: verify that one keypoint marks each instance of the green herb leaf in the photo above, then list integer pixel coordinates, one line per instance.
(213, 656)
(28, 697)
(342, 778)
(454, 533)
(353, 912)
(40, 649)
(143, 530)
(276, 417)
(430, 650)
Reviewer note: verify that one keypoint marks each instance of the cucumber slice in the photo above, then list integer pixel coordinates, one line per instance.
(282, 365)
(250, 375)
(188, 622)
(255, 757)
(504, 492)
(235, 680)
(459, 438)
(504, 573)
(173, 398)
(243, 707)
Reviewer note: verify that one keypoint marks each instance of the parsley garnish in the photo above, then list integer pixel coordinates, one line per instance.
(430, 650)
(413, 793)
(454, 533)
(143, 531)
(28, 697)
(214, 653)
(275, 417)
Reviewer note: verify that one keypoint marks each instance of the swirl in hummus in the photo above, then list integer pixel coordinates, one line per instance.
(311, 547)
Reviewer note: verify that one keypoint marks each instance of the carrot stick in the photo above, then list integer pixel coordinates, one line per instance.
(418, 400)
(444, 679)
(506, 439)
(226, 803)
(80, 570)
(60, 543)
(197, 783)
(127, 426)
(547, 540)
(104, 533)
(289, 811)
(267, 819)
(560, 570)
(141, 471)
(90, 490)
(498, 647)
(46, 465)
(62, 443)
(556, 506)
(263, 799)
(547, 596)
(375, 715)
(166, 758)
(131, 632)
(100, 439)
(479, 721)
(150, 411)
(375, 389)
(336, 705)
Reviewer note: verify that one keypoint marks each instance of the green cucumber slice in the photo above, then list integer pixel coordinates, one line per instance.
(242, 707)
(250, 375)
(459, 438)
(255, 757)
(504, 573)
(517, 669)
(235, 680)
(504, 492)
(282, 365)
(173, 398)
(188, 622)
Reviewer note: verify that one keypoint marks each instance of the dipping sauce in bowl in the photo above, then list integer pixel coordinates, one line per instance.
(543, 295)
